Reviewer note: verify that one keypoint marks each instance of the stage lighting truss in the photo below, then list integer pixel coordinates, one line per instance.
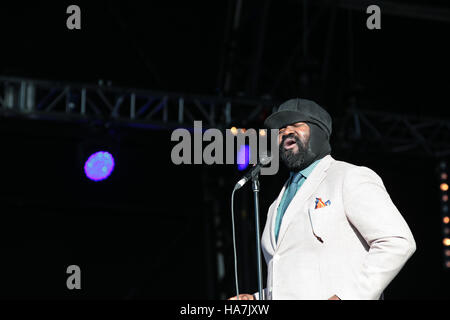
(357, 129)
(377, 131)
(126, 106)
(443, 188)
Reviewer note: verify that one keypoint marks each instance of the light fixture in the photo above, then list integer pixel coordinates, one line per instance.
(446, 242)
(243, 157)
(99, 166)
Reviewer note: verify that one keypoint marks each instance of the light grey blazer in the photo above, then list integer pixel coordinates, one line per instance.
(353, 247)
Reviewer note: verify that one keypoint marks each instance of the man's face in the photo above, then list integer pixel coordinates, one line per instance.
(288, 135)
(293, 144)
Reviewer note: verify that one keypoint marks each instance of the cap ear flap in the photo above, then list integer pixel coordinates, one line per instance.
(319, 141)
(319, 126)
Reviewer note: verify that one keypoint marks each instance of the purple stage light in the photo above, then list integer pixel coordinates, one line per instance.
(99, 166)
(243, 157)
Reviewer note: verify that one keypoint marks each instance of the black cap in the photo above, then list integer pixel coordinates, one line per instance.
(299, 110)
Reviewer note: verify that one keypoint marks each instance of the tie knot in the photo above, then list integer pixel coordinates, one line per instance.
(297, 178)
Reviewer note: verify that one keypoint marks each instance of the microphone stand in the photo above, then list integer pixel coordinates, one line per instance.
(255, 188)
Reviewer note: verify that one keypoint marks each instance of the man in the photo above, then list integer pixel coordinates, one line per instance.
(333, 232)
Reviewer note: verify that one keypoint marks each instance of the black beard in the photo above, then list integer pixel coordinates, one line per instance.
(293, 161)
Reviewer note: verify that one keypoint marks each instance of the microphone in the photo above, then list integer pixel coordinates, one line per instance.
(265, 160)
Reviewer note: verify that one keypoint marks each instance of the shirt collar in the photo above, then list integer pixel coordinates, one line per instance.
(307, 171)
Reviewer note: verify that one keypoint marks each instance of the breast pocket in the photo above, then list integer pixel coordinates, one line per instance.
(321, 221)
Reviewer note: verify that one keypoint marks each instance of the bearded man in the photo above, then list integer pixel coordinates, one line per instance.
(333, 232)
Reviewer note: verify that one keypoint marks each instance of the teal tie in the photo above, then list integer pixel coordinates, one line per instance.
(288, 195)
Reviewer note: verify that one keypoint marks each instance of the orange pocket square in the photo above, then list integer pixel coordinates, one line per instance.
(320, 204)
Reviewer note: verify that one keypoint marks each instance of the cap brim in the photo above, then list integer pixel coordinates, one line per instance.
(283, 118)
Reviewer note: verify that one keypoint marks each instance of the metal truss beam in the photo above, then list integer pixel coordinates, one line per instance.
(133, 107)
(357, 128)
(368, 130)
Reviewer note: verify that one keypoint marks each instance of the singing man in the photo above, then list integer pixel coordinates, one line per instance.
(333, 232)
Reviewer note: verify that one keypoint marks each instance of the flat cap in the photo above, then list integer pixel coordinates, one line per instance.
(299, 110)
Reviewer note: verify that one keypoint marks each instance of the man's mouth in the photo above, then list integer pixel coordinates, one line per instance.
(289, 143)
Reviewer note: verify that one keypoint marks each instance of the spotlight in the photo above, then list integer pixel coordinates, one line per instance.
(99, 166)
(446, 242)
(234, 131)
(262, 132)
(444, 211)
(243, 157)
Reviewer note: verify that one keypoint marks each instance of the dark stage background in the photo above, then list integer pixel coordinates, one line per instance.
(160, 231)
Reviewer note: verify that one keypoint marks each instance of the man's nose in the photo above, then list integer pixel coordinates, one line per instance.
(285, 132)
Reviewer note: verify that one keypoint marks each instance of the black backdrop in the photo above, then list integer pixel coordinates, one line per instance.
(146, 232)
(141, 233)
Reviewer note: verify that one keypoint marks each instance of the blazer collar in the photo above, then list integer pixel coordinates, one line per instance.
(307, 189)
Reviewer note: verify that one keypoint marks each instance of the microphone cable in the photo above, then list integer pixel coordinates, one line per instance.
(234, 244)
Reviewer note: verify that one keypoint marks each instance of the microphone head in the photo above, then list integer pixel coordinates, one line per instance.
(265, 159)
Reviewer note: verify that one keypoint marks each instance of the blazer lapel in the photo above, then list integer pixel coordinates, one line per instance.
(306, 190)
(274, 216)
